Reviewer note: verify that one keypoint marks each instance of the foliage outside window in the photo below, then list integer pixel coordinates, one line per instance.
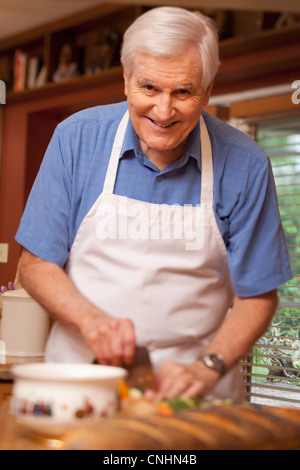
(272, 370)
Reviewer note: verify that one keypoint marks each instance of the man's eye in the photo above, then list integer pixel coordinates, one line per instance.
(149, 87)
(183, 92)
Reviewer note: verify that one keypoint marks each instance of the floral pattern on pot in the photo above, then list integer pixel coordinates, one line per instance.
(21, 406)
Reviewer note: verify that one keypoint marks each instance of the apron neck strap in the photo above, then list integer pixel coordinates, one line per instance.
(207, 182)
(113, 163)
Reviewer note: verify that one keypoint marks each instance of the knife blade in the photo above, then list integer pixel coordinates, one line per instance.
(140, 371)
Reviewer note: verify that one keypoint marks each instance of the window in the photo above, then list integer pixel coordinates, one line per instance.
(272, 370)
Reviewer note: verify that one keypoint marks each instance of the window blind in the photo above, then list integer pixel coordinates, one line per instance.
(272, 369)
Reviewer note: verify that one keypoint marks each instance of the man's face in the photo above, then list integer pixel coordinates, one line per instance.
(165, 100)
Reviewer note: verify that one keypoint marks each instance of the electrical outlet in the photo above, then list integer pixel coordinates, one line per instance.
(3, 252)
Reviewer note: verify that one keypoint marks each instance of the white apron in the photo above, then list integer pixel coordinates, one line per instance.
(165, 267)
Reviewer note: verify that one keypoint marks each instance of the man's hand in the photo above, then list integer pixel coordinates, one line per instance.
(174, 380)
(112, 341)
(247, 321)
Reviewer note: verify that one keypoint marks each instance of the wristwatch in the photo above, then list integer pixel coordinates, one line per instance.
(214, 361)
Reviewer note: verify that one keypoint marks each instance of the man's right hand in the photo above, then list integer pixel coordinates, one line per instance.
(111, 340)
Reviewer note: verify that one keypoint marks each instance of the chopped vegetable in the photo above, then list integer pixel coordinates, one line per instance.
(136, 393)
(181, 403)
(169, 407)
(123, 390)
(165, 409)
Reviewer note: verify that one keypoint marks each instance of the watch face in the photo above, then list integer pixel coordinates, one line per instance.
(214, 361)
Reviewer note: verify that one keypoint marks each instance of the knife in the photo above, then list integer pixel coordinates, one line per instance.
(140, 371)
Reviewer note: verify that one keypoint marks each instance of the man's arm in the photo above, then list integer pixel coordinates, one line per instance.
(247, 321)
(111, 340)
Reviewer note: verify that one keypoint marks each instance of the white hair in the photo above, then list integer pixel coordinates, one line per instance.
(167, 32)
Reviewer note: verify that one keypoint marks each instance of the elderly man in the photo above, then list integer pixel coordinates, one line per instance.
(153, 223)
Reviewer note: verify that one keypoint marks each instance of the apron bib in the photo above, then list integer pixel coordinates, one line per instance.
(163, 266)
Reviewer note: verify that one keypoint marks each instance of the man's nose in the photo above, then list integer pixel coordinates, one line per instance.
(164, 108)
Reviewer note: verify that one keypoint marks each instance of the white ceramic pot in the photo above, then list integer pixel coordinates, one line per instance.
(24, 325)
(49, 399)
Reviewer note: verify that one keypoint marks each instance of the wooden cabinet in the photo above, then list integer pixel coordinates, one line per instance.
(29, 123)
(30, 116)
(30, 60)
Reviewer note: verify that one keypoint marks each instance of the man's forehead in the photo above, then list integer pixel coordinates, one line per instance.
(151, 70)
(190, 58)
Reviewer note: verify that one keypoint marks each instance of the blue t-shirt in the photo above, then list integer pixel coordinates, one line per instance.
(72, 174)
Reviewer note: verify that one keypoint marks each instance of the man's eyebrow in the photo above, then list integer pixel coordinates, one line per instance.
(146, 81)
(184, 86)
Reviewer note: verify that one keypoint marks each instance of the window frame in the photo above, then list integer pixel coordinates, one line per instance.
(252, 112)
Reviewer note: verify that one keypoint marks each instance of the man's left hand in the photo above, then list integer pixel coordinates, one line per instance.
(174, 380)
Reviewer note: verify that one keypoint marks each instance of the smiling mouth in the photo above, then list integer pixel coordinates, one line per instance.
(163, 126)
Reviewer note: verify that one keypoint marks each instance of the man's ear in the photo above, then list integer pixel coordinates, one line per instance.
(125, 80)
(208, 93)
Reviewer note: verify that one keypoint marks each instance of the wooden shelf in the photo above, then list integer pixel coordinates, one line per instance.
(81, 31)
(68, 86)
(254, 58)
(263, 39)
(29, 117)
(262, 59)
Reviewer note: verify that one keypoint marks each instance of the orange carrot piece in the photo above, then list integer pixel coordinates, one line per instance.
(123, 390)
(165, 409)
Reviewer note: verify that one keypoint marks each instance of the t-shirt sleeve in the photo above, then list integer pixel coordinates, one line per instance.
(44, 227)
(257, 253)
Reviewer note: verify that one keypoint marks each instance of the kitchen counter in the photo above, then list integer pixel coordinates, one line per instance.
(11, 437)
(231, 427)
(241, 427)
(6, 363)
